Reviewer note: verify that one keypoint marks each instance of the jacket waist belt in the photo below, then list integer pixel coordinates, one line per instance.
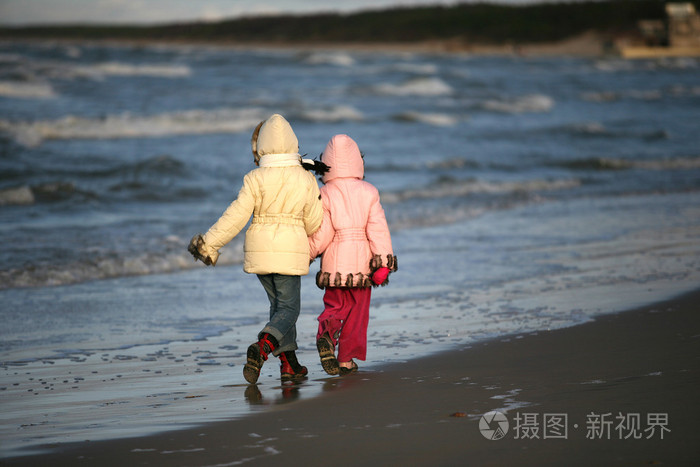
(278, 219)
(349, 235)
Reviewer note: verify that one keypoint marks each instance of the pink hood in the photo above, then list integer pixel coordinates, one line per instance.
(344, 158)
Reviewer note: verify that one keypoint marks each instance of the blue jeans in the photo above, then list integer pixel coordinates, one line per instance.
(284, 293)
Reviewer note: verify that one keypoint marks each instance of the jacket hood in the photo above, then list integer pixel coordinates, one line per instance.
(274, 136)
(344, 158)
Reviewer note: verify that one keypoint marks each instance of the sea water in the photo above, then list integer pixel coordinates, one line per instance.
(523, 194)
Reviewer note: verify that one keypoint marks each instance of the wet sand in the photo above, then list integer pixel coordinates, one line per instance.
(641, 365)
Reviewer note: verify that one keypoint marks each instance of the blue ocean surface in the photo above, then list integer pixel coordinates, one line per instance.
(523, 194)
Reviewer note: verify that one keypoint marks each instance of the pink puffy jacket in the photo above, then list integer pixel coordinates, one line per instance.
(354, 237)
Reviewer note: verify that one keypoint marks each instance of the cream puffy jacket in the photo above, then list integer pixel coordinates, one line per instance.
(284, 200)
(354, 237)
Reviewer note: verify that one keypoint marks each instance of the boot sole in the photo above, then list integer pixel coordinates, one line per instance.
(292, 377)
(327, 354)
(251, 370)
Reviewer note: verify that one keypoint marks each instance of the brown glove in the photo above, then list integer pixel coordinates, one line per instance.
(196, 248)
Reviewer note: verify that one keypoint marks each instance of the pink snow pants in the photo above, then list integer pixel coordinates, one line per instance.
(345, 319)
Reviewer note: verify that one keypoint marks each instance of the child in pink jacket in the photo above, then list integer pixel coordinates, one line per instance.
(356, 250)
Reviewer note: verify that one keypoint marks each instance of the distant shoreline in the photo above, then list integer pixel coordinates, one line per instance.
(591, 27)
(589, 44)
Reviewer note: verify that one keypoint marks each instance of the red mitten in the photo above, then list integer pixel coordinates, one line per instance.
(380, 275)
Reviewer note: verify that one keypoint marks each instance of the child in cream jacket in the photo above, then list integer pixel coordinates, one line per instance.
(283, 198)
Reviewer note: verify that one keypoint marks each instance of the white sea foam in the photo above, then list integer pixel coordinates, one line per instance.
(436, 119)
(126, 69)
(523, 104)
(416, 87)
(329, 58)
(26, 90)
(16, 196)
(335, 114)
(127, 125)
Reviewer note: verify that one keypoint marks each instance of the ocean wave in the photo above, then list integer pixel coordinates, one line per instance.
(151, 179)
(127, 69)
(17, 196)
(328, 58)
(135, 126)
(435, 119)
(330, 115)
(417, 68)
(415, 87)
(598, 130)
(455, 188)
(156, 165)
(644, 95)
(535, 103)
(610, 96)
(124, 69)
(41, 193)
(111, 266)
(605, 163)
(431, 216)
(24, 90)
(454, 163)
(31, 69)
(674, 63)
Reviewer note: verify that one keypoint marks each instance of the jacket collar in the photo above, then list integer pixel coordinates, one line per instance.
(280, 160)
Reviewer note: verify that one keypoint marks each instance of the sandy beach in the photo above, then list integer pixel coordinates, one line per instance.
(623, 388)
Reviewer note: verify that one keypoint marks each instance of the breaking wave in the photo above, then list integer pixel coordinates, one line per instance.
(435, 119)
(526, 104)
(45, 192)
(104, 268)
(127, 125)
(328, 58)
(36, 69)
(26, 90)
(16, 196)
(151, 179)
(415, 87)
(125, 69)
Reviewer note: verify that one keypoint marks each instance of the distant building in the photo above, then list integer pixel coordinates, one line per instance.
(654, 32)
(683, 25)
(678, 36)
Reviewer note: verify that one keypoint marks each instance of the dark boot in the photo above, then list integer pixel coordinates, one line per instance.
(290, 368)
(257, 354)
(326, 351)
